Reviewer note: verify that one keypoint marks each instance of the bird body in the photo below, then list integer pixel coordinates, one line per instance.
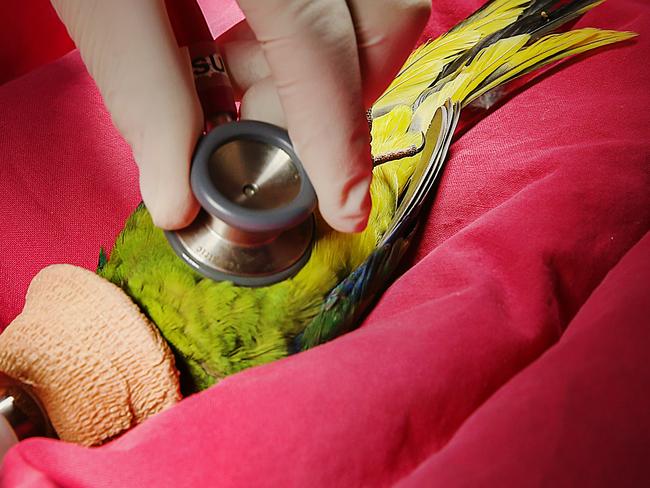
(217, 328)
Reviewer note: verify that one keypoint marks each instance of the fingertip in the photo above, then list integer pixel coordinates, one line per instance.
(262, 102)
(350, 212)
(170, 210)
(173, 217)
(339, 164)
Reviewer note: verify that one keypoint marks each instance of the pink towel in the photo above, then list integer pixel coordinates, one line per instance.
(511, 353)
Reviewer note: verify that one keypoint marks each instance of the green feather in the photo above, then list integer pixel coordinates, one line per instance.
(102, 260)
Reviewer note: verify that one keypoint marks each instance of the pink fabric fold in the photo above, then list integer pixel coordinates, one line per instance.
(511, 353)
(576, 417)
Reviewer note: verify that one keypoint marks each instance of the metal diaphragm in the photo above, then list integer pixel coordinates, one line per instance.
(256, 223)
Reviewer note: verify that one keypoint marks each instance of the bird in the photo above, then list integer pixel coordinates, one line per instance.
(216, 329)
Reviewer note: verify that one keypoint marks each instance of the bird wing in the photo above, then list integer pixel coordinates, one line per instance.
(503, 40)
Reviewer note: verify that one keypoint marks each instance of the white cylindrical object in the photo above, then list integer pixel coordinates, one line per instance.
(8, 437)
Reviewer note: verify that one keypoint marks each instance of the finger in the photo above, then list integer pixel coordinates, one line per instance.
(311, 50)
(244, 58)
(262, 102)
(250, 76)
(246, 64)
(147, 86)
(387, 31)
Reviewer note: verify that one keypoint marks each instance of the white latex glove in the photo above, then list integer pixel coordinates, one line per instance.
(312, 66)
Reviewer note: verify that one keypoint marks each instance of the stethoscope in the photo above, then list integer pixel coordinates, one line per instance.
(256, 224)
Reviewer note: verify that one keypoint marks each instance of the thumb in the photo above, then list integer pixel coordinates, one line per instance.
(146, 82)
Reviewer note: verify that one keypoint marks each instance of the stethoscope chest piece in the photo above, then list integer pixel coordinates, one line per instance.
(256, 224)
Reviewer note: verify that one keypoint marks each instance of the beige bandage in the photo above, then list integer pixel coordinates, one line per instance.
(96, 363)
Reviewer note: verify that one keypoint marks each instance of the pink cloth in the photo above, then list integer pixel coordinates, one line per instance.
(512, 353)
(31, 35)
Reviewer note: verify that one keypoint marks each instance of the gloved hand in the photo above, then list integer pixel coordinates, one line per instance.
(312, 66)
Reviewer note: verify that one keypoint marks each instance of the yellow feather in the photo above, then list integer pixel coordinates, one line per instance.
(551, 48)
(464, 81)
(390, 132)
(426, 63)
(421, 69)
(493, 17)
(486, 62)
(428, 107)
